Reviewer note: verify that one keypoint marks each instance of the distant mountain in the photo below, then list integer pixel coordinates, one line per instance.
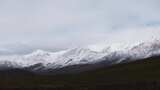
(137, 75)
(88, 57)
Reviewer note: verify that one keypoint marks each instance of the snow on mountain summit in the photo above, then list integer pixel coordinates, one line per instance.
(114, 53)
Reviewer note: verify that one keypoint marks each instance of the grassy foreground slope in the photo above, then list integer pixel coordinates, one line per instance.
(137, 75)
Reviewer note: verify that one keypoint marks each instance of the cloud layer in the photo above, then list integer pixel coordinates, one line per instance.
(60, 24)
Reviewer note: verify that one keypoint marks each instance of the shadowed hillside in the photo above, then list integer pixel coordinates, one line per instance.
(137, 75)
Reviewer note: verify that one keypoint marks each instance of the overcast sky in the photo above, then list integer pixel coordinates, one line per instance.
(59, 24)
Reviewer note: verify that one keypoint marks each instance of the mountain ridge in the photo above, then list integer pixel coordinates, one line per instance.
(114, 54)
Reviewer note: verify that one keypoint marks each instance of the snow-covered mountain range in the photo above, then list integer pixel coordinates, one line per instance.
(113, 54)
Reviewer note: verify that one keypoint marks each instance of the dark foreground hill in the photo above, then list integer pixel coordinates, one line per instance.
(137, 75)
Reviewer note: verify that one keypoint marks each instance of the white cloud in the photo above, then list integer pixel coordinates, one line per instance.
(66, 23)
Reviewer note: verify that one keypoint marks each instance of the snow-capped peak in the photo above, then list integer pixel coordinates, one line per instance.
(114, 53)
(39, 53)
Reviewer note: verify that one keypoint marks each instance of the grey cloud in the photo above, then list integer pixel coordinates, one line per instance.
(62, 24)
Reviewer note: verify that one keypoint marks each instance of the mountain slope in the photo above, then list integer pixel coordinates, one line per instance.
(137, 75)
(110, 54)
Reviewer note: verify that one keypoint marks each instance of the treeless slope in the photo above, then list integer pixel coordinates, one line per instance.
(141, 74)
